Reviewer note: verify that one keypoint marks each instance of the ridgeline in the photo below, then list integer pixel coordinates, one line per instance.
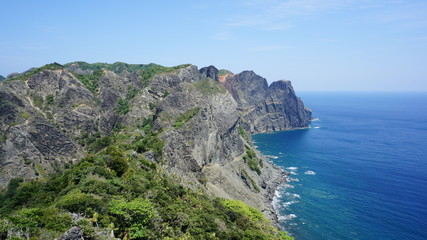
(139, 151)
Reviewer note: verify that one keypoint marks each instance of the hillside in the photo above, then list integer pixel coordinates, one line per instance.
(103, 140)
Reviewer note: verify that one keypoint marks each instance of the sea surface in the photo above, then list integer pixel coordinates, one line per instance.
(359, 172)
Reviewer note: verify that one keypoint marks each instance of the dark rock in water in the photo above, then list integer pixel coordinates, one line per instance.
(210, 72)
(74, 233)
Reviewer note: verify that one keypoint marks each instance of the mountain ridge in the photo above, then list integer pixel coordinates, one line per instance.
(180, 117)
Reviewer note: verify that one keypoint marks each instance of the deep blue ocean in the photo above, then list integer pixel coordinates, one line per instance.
(359, 172)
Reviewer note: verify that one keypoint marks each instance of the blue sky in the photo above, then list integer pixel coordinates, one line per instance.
(332, 45)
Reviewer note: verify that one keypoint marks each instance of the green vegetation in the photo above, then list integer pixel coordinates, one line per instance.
(146, 71)
(3, 138)
(37, 100)
(149, 142)
(25, 76)
(245, 136)
(113, 188)
(253, 162)
(254, 185)
(209, 87)
(24, 115)
(153, 69)
(123, 103)
(181, 120)
(147, 124)
(91, 81)
(223, 72)
(123, 106)
(50, 99)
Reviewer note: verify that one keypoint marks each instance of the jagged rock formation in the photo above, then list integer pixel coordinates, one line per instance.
(47, 114)
(267, 108)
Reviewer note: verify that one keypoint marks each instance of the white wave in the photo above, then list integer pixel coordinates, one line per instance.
(314, 119)
(271, 156)
(287, 204)
(310, 173)
(293, 173)
(296, 195)
(292, 179)
(316, 127)
(292, 168)
(288, 186)
(287, 217)
(292, 195)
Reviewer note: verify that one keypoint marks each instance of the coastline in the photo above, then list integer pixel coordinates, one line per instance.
(277, 179)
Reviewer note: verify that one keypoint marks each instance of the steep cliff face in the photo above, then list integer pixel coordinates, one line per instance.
(54, 115)
(266, 108)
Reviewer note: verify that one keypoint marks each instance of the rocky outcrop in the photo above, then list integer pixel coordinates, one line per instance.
(267, 108)
(47, 114)
(74, 233)
(210, 72)
(281, 110)
(2, 78)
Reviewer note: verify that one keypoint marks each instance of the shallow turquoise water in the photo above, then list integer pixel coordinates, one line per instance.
(360, 171)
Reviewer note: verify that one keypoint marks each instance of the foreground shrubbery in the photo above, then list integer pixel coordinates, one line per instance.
(117, 189)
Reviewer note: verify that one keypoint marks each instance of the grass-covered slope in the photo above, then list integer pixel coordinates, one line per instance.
(115, 189)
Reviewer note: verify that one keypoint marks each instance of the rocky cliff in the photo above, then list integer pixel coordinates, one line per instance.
(181, 117)
(266, 108)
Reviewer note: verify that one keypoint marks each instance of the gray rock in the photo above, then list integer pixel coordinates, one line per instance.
(74, 233)
(210, 72)
(12, 75)
(267, 108)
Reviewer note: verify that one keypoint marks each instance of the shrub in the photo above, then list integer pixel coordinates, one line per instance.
(78, 202)
(251, 159)
(50, 99)
(132, 216)
(243, 209)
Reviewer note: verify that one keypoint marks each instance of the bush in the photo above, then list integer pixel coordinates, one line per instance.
(253, 162)
(54, 220)
(152, 142)
(91, 81)
(244, 210)
(50, 99)
(78, 202)
(133, 217)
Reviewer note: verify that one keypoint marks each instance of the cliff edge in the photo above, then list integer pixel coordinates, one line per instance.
(193, 123)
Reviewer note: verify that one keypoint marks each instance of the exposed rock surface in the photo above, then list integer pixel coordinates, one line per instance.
(2, 78)
(74, 233)
(267, 108)
(46, 113)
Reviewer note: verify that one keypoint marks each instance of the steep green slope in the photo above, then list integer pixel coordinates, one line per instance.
(116, 189)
